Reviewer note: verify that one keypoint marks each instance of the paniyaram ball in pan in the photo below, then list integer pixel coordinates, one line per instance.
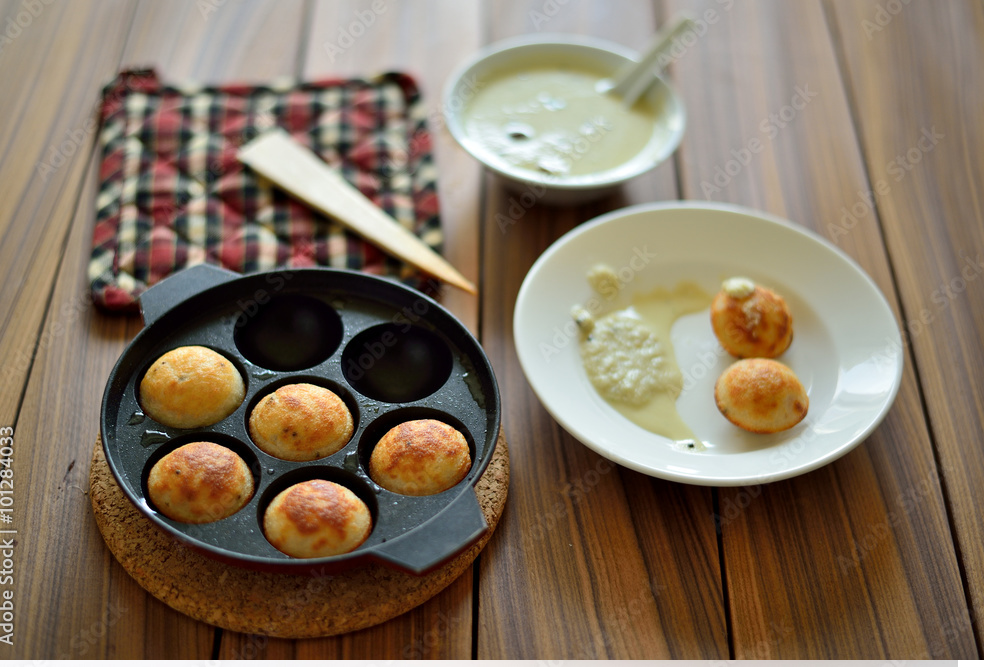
(301, 422)
(191, 387)
(200, 482)
(315, 519)
(420, 458)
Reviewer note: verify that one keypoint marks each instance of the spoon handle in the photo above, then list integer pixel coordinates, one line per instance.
(296, 169)
(633, 80)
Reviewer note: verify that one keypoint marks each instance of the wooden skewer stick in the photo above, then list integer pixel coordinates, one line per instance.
(296, 169)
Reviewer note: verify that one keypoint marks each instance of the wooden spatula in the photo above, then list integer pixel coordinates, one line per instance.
(296, 169)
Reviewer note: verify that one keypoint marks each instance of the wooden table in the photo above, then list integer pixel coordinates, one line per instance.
(878, 555)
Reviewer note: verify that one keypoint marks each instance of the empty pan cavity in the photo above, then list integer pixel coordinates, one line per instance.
(289, 332)
(397, 363)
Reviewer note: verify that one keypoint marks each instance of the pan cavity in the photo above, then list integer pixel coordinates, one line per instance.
(397, 363)
(290, 332)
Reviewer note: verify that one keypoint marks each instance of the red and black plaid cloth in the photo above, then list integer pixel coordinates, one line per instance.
(172, 193)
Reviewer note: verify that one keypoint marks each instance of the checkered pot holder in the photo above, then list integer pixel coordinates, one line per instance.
(172, 193)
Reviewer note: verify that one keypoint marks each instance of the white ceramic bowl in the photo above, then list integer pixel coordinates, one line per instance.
(529, 51)
(847, 349)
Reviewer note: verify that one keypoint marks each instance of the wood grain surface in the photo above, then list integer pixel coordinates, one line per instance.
(868, 119)
(574, 534)
(933, 220)
(48, 133)
(897, 582)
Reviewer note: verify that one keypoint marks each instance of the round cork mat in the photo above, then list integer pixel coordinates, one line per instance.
(277, 605)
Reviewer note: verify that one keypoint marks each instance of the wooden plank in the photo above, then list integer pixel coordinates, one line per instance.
(82, 603)
(424, 40)
(52, 71)
(216, 41)
(80, 597)
(852, 560)
(439, 629)
(856, 559)
(50, 115)
(930, 208)
(590, 560)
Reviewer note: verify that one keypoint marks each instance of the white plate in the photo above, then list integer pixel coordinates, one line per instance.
(846, 350)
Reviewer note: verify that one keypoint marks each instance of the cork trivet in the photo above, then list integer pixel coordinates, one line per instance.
(277, 605)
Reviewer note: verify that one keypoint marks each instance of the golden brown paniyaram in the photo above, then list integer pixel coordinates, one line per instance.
(301, 422)
(420, 458)
(750, 320)
(761, 396)
(316, 518)
(200, 482)
(191, 387)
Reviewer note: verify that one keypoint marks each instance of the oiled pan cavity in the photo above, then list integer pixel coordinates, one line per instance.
(397, 363)
(289, 332)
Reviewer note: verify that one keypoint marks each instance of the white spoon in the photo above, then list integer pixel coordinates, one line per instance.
(633, 78)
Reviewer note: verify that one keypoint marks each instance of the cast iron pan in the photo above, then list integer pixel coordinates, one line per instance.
(391, 353)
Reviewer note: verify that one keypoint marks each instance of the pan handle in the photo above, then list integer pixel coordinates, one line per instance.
(438, 540)
(182, 285)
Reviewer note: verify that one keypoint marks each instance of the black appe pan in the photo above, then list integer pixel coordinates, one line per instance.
(391, 353)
